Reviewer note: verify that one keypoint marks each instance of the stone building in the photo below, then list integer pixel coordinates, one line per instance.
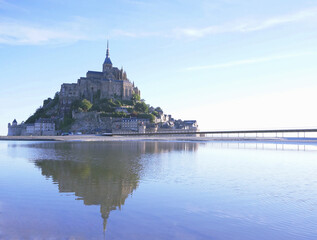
(15, 129)
(133, 124)
(110, 83)
(41, 127)
(44, 127)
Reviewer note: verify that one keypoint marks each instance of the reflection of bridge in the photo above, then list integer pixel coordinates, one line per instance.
(265, 145)
(223, 133)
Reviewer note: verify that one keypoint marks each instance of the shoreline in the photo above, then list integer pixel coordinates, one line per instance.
(96, 138)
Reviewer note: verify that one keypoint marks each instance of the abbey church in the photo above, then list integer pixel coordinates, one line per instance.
(110, 83)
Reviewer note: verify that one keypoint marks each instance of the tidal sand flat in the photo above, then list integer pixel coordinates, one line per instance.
(157, 190)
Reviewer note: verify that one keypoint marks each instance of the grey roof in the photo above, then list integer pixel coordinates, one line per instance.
(92, 74)
(95, 72)
(190, 121)
(107, 61)
(44, 120)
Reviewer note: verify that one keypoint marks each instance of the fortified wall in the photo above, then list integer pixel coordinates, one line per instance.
(91, 122)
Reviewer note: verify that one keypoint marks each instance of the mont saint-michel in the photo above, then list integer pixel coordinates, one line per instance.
(105, 101)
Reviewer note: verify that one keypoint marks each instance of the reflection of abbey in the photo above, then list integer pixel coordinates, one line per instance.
(110, 83)
(101, 174)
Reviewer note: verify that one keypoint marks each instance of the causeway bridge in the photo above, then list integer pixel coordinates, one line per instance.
(254, 133)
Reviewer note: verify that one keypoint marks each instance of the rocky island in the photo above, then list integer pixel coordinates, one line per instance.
(101, 102)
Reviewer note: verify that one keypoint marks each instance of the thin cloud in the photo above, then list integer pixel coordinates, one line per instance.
(9, 6)
(272, 22)
(247, 61)
(134, 34)
(238, 26)
(247, 25)
(135, 2)
(5, 4)
(20, 33)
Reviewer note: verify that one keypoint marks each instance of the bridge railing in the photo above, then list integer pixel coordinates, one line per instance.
(259, 133)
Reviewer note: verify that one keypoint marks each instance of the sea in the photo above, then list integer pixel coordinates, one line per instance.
(158, 190)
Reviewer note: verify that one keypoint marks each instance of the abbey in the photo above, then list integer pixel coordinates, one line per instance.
(102, 102)
(110, 83)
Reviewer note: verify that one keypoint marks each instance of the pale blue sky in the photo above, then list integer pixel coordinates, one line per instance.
(227, 63)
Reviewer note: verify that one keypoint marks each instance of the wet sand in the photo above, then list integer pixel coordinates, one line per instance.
(97, 138)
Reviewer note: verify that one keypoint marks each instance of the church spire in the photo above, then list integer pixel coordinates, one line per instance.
(107, 64)
(107, 54)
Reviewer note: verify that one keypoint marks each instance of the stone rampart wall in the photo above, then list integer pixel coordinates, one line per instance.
(91, 122)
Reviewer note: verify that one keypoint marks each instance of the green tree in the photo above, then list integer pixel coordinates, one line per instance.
(134, 113)
(111, 103)
(85, 105)
(106, 105)
(141, 107)
(75, 105)
(136, 97)
(47, 101)
(40, 113)
(127, 102)
(155, 113)
(96, 96)
(158, 109)
(67, 122)
(56, 99)
(151, 117)
(118, 103)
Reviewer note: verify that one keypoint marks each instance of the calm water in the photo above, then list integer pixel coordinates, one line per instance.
(157, 190)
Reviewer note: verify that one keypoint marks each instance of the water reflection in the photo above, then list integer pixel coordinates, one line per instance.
(95, 185)
(268, 145)
(180, 191)
(102, 174)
